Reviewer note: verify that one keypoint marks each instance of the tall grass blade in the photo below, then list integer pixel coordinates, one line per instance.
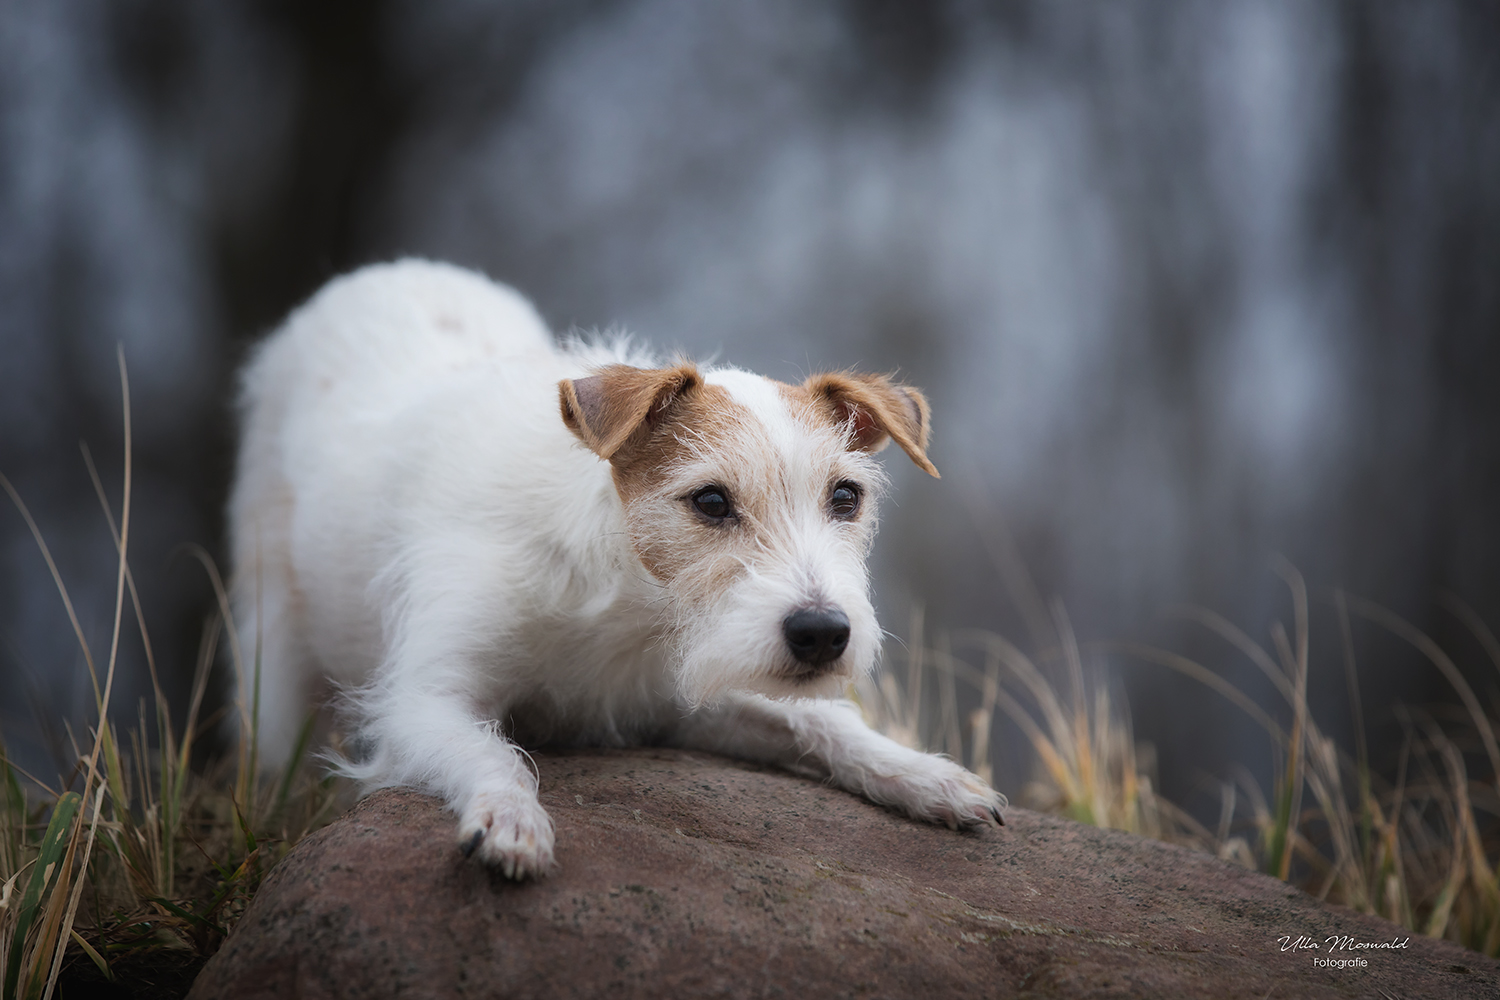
(1399, 626)
(93, 955)
(12, 818)
(294, 764)
(54, 845)
(66, 926)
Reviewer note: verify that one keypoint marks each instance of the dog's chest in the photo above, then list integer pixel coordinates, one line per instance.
(601, 679)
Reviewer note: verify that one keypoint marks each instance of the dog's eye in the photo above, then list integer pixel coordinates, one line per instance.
(843, 502)
(713, 502)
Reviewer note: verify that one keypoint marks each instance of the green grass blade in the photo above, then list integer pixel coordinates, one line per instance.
(294, 764)
(15, 796)
(12, 818)
(245, 830)
(93, 955)
(187, 915)
(54, 843)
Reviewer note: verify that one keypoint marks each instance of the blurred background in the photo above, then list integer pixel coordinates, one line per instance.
(1189, 284)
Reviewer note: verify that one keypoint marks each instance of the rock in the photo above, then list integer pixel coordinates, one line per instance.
(686, 875)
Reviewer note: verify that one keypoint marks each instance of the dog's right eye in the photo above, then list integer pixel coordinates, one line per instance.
(712, 502)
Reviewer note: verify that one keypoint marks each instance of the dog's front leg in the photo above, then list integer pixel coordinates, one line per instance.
(433, 740)
(829, 740)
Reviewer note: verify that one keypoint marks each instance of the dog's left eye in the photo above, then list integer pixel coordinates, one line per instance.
(843, 502)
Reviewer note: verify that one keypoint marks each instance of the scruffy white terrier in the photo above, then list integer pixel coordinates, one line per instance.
(489, 542)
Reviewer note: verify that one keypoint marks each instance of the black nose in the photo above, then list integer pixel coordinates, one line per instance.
(816, 635)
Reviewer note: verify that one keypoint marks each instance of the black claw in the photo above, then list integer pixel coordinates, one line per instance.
(474, 841)
(999, 819)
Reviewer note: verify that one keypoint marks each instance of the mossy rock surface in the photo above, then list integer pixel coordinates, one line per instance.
(683, 874)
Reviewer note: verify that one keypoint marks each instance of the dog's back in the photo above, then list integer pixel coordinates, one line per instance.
(331, 409)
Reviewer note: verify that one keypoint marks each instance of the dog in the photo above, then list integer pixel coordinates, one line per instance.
(487, 542)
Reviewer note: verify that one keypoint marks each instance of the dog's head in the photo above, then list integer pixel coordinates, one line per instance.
(753, 504)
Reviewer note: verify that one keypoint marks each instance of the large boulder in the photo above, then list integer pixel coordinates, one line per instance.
(686, 875)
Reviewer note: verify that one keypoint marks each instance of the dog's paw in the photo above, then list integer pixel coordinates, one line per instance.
(508, 831)
(937, 790)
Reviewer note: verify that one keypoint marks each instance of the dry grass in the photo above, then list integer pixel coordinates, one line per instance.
(137, 848)
(1418, 848)
(1088, 765)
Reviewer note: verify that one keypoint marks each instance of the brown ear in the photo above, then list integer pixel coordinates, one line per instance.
(876, 411)
(608, 408)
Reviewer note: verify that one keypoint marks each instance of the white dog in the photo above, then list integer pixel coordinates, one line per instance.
(490, 542)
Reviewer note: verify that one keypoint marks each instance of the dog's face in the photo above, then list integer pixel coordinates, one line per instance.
(753, 504)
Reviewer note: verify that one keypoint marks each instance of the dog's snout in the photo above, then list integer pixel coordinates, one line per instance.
(816, 635)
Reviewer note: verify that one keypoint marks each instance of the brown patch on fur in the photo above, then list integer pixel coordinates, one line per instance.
(646, 422)
(873, 408)
(703, 417)
(620, 405)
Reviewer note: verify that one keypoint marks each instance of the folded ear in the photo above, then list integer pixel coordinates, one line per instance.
(876, 411)
(607, 409)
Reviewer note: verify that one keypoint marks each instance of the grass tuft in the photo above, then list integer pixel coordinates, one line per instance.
(1419, 849)
(146, 845)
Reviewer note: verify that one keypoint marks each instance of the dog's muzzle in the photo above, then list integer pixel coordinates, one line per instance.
(816, 635)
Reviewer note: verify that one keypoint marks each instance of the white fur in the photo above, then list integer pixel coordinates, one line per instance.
(413, 520)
